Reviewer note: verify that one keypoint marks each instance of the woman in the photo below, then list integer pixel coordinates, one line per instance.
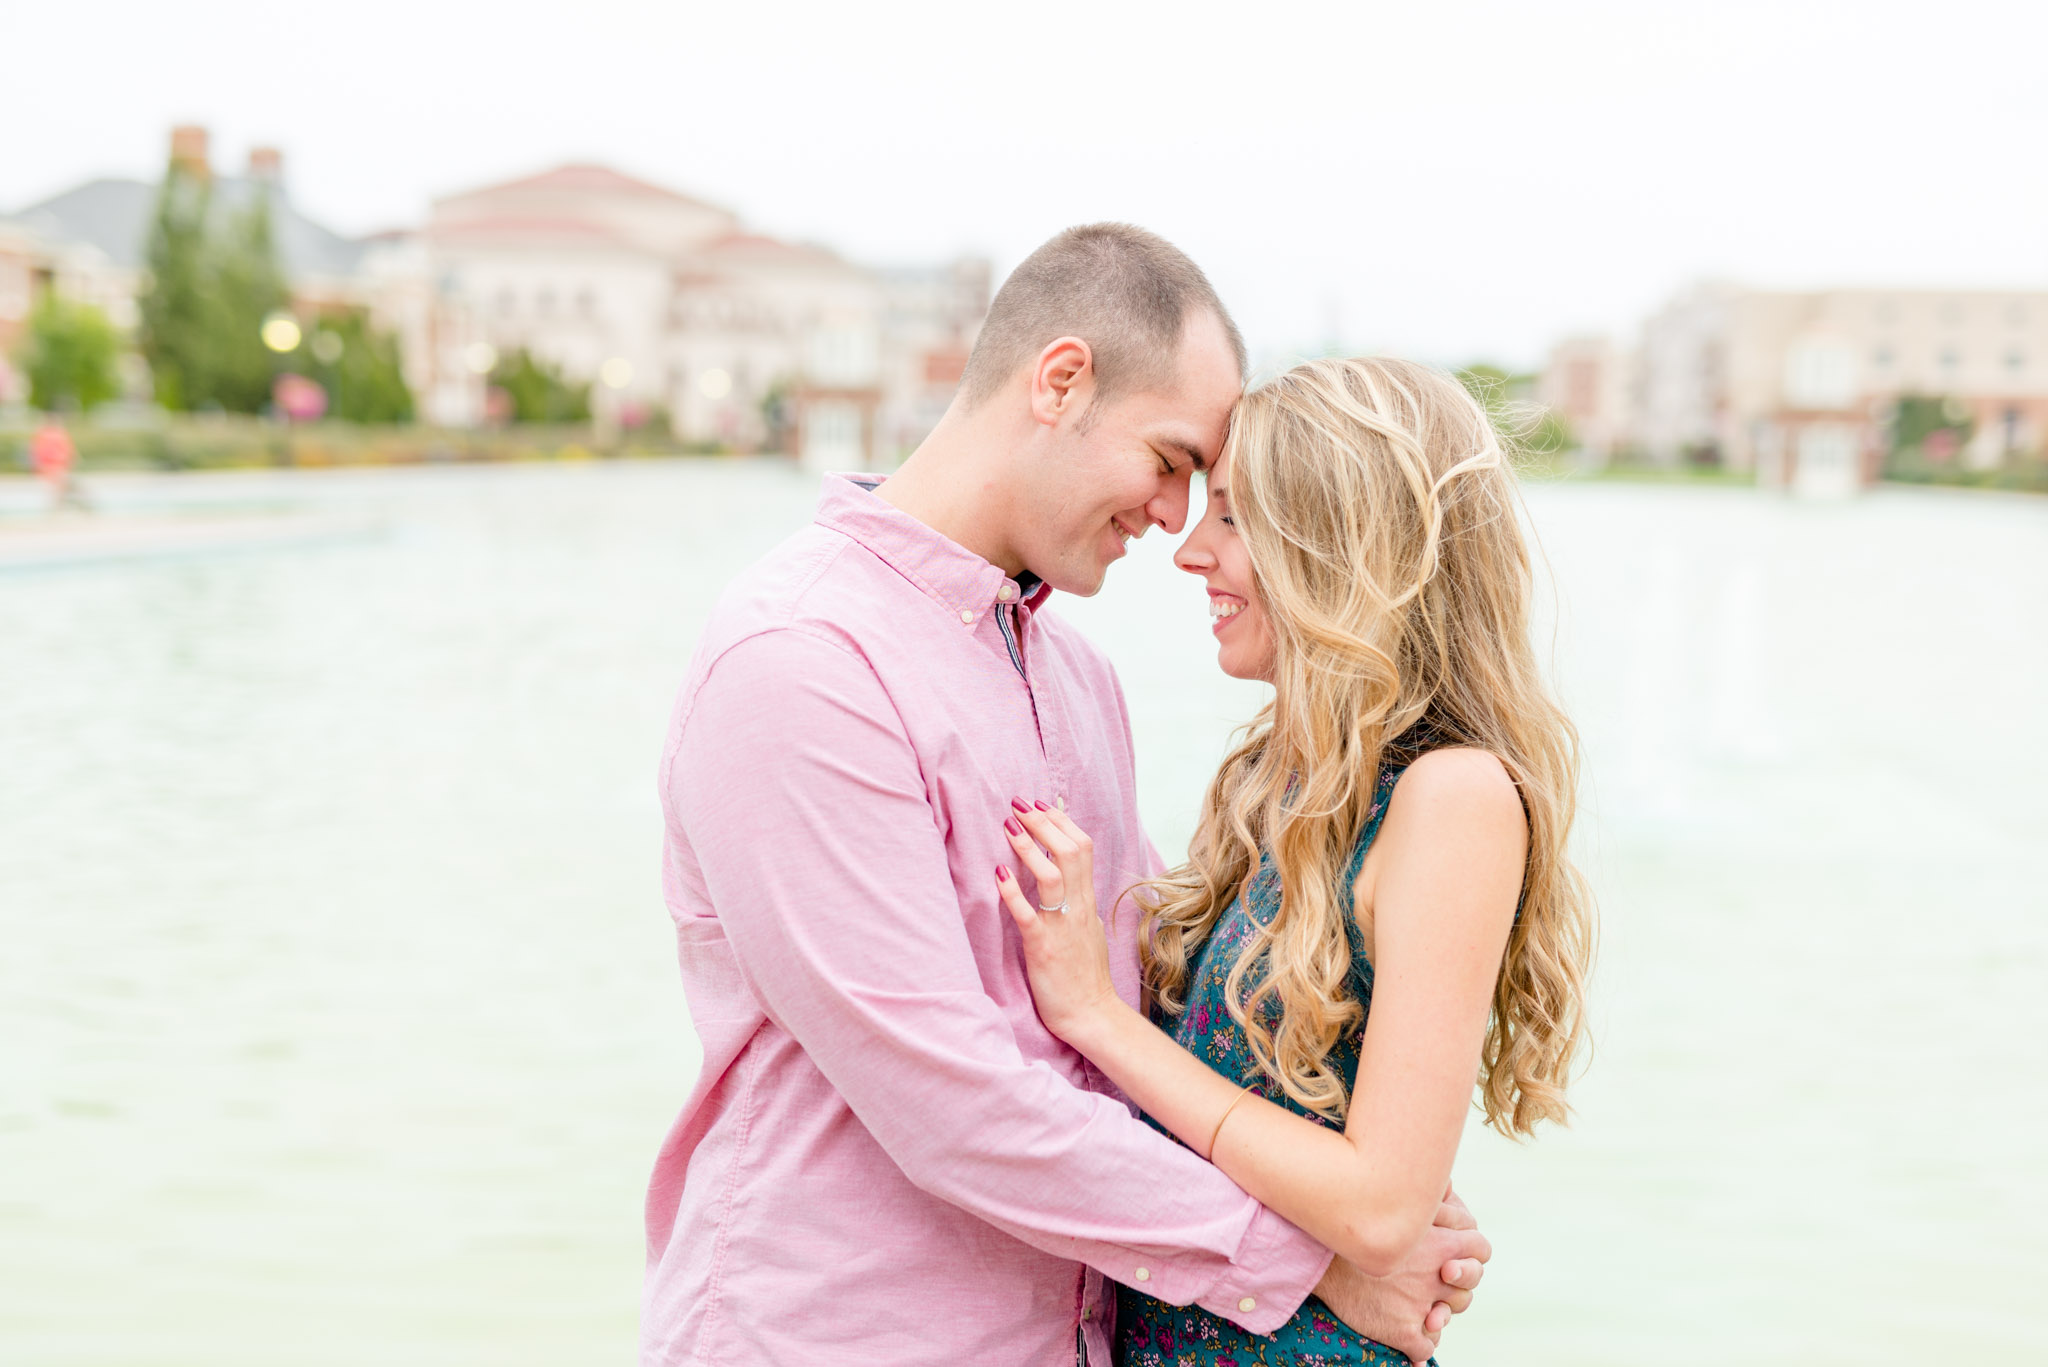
(1409, 787)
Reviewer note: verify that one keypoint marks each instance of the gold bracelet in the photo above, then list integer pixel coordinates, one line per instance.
(1217, 1133)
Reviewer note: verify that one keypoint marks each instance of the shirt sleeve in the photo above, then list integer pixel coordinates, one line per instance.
(798, 790)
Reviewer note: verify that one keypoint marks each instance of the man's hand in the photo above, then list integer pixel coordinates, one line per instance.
(1409, 1309)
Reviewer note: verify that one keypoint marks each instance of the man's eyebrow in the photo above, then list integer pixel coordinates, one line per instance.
(1188, 449)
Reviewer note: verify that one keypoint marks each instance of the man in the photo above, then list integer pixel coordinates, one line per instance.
(887, 1158)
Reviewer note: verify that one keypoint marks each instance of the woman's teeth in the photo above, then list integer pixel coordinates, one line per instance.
(1220, 608)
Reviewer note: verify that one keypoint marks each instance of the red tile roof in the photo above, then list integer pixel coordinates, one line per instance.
(588, 178)
(525, 225)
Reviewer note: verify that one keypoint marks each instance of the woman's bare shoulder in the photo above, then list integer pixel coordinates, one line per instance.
(1461, 783)
(1455, 808)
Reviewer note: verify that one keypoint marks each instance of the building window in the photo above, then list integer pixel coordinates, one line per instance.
(2015, 360)
(843, 355)
(1951, 359)
(586, 303)
(544, 303)
(508, 302)
(1820, 375)
(1882, 357)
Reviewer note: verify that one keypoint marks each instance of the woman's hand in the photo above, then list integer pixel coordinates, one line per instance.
(1066, 951)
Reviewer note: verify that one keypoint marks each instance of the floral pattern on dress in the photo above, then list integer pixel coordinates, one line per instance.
(1151, 1333)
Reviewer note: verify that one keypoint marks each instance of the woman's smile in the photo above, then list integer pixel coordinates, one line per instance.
(1223, 609)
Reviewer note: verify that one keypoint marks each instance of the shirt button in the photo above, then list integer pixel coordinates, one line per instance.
(1006, 592)
(967, 616)
(1248, 1303)
(1143, 1274)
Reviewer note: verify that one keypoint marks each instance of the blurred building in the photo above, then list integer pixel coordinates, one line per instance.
(1799, 385)
(667, 303)
(668, 306)
(930, 318)
(96, 235)
(1586, 382)
(91, 243)
(36, 257)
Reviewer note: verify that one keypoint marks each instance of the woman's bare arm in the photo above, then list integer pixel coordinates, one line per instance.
(1438, 897)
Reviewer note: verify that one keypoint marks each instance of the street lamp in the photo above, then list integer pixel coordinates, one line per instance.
(281, 332)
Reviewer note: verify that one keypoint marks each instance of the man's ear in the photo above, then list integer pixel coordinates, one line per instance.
(1063, 382)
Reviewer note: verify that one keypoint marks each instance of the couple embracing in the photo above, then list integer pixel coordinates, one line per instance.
(985, 1081)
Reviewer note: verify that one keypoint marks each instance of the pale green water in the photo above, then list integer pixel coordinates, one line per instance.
(338, 1018)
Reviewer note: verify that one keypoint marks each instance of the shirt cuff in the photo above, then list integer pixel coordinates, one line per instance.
(1275, 1269)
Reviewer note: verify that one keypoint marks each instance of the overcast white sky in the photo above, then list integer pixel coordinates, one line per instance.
(1452, 180)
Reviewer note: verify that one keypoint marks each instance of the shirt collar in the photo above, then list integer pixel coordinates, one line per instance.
(957, 579)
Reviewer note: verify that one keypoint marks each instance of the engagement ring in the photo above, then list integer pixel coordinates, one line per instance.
(1061, 909)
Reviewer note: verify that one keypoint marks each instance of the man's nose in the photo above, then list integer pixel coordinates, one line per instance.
(1170, 509)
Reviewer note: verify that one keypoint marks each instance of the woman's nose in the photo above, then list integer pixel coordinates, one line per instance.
(1193, 558)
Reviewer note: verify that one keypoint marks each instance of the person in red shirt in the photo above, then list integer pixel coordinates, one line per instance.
(53, 453)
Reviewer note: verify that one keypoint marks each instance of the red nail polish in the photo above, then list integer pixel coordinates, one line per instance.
(1018, 803)
(1002, 873)
(1043, 807)
(1010, 825)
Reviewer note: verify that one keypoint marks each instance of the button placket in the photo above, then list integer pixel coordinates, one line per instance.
(1048, 742)
(1055, 739)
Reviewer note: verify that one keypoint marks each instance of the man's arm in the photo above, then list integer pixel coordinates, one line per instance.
(1409, 1308)
(802, 799)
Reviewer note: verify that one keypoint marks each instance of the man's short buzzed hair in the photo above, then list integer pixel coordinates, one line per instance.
(1125, 292)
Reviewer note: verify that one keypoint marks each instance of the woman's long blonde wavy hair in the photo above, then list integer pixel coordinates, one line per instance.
(1379, 510)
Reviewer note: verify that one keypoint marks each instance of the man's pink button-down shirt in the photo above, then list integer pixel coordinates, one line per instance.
(887, 1159)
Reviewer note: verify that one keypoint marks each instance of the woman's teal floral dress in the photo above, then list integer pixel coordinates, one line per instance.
(1151, 1333)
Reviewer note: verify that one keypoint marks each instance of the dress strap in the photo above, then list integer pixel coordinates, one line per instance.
(1383, 794)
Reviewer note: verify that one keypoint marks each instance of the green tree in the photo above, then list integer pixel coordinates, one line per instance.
(1510, 403)
(1916, 417)
(248, 285)
(1487, 383)
(1550, 435)
(360, 368)
(175, 304)
(70, 354)
(778, 415)
(538, 391)
(212, 281)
